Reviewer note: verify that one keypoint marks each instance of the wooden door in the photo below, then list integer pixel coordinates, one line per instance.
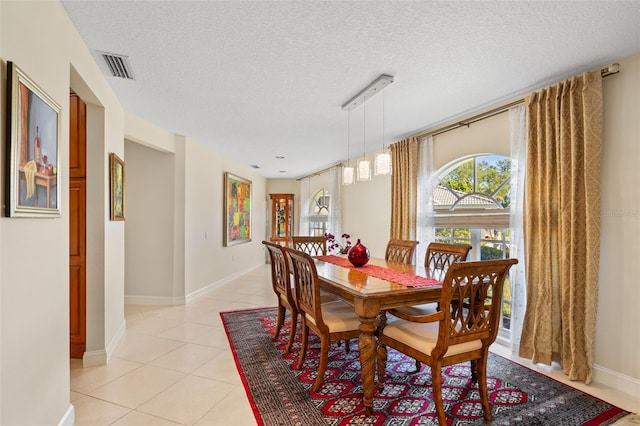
(77, 227)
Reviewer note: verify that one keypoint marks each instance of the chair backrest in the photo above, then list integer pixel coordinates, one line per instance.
(472, 282)
(440, 256)
(280, 272)
(307, 286)
(314, 246)
(400, 251)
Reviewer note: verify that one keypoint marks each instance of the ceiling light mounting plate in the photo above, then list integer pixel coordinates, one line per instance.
(374, 87)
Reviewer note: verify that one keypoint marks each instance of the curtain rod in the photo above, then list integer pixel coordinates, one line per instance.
(604, 72)
(319, 172)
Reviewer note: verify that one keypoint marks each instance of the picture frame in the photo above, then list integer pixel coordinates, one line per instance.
(117, 186)
(237, 210)
(33, 149)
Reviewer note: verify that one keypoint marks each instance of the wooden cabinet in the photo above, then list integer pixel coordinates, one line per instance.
(281, 218)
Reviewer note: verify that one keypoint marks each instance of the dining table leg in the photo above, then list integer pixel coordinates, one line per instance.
(368, 312)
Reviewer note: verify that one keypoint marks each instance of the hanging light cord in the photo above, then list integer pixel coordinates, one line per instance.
(364, 129)
(349, 139)
(383, 122)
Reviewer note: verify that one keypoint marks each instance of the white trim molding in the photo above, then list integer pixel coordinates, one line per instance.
(94, 358)
(153, 300)
(134, 299)
(209, 288)
(616, 380)
(69, 417)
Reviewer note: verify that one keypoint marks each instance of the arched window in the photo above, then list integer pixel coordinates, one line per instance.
(319, 212)
(471, 206)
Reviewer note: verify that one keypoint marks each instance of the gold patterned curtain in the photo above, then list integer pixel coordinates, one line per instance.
(562, 223)
(404, 184)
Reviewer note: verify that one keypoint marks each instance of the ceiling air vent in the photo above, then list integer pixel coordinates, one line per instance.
(118, 65)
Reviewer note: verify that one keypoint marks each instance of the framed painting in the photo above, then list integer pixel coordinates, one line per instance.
(237, 210)
(117, 187)
(33, 149)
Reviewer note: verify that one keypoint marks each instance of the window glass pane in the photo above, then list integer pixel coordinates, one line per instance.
(320, 203)
(493, 174)
(319, 213)
(480, 182)
(461, 178)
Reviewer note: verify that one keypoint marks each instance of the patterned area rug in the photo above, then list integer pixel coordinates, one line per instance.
(281, 395)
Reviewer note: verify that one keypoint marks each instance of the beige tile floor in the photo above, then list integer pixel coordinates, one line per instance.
(174, 366)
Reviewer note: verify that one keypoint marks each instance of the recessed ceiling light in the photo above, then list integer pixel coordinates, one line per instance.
(279, 157)
(283, 171)
(255, 166)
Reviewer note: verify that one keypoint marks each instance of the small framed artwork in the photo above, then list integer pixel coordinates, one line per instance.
(237, 210)
(117, 187)
(33, 146)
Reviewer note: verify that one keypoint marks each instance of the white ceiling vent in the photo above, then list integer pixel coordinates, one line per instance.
(117, 65)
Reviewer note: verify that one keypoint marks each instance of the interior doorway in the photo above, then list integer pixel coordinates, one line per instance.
(77, 225)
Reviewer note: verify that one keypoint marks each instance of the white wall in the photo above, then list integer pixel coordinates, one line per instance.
(617, 333)
(149, 226)
(34, 287)
(200, 261)
(489, 136)
(207, 261)
(366, 213)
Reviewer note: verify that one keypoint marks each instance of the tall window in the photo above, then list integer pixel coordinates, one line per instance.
(319, 212)
(471, 204)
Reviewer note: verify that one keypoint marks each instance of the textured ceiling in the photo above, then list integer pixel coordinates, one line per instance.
(256, 80)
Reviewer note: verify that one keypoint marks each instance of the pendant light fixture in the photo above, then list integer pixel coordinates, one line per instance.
(364, 165)
(382, 164)
(347, 171)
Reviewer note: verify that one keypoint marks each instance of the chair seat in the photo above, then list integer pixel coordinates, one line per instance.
(338, 316)
(424, 336)
(416, 310)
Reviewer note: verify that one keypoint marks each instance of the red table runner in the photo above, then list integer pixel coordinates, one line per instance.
(381, 272)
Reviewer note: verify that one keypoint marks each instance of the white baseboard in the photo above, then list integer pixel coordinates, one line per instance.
(115, 340)
(102, 356)
(601, 375)
(94, 358)
(209, 288)
(616, 380)
(133, 299)
(153, 300)
(69, 417)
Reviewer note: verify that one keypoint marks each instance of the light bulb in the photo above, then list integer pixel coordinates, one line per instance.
(347, 176)
(364, 170)
(382, 165)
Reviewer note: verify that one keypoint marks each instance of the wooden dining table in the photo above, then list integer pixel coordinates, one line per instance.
(370, 296)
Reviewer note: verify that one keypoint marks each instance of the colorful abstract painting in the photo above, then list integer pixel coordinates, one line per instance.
(237, 195)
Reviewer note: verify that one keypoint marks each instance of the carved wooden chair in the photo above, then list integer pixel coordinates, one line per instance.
(313, 246)
(331, 321)
(451, 336)
(400, 251)
(438, 259)
(281, 282)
